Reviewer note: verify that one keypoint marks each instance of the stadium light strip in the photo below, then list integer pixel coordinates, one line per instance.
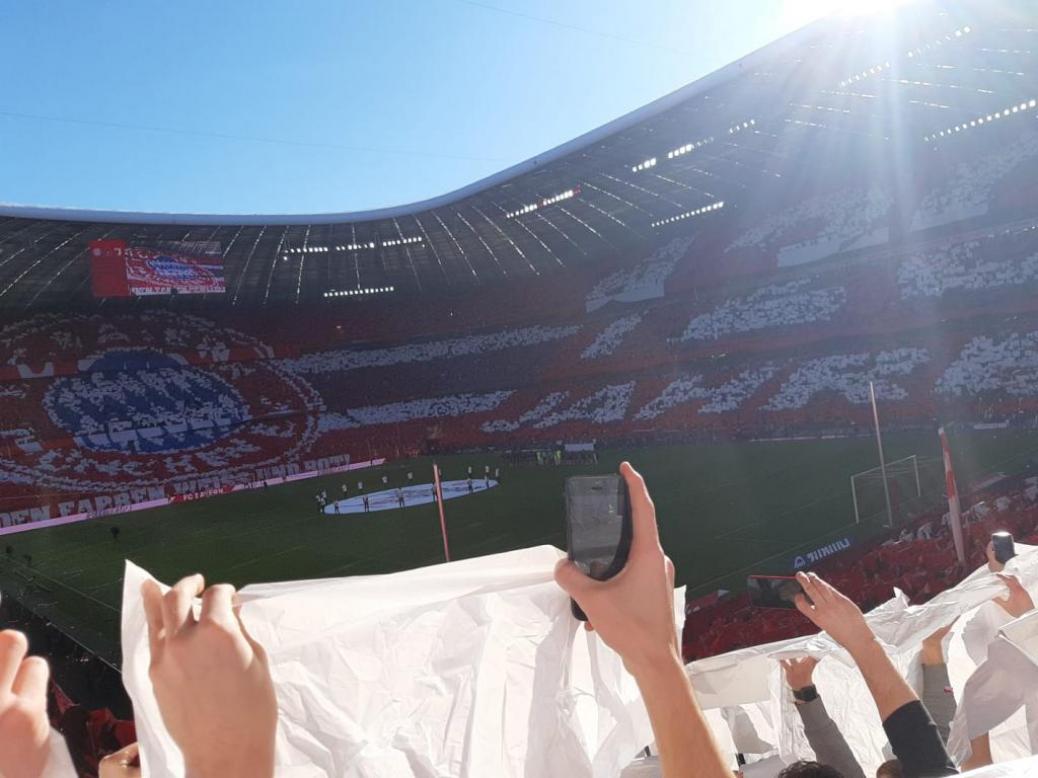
(877, 69)
(355, 246)
(543, 203)
(740, 127)
(402, 241)
(689, 214)
(1024, 107)
(680, 151)
(356, 292)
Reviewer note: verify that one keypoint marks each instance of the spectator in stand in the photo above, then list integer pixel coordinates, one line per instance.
(826, 741)
(914, 738)
(824, 736)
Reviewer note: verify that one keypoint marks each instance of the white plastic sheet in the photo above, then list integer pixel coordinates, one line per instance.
(1005, 683)
(752, 678)
(474, 668)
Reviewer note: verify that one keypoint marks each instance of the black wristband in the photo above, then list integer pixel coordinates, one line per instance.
(807, 694)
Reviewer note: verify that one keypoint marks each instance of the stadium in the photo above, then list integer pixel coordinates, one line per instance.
(767, 290)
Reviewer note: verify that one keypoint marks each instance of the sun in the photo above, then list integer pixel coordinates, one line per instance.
(862, 7)
(808, 10)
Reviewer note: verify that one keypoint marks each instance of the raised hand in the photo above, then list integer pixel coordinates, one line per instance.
(24, 729)
(799, 672)
(634, 614)
(125, 763)
(933, 646)
(830, 610)
(993, 564)
(634, 610)
(1018, 601)
(211, 681)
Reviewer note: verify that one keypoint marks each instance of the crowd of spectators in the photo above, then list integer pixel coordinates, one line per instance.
(604, 406)
(776, 305)
(969, 266)
(68, 338)
(165, 397)
(720, 398)
(644, 280)
(832, 219)
(849, 375)
(355, 359)
(987, 365)
(451, 406)
(968, 189)
(610, 338)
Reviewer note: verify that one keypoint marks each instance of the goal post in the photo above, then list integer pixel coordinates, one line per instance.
(912, 486)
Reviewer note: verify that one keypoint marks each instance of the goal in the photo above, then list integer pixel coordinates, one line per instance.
(913, 486)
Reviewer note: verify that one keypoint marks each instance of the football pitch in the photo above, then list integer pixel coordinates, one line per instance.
(724, 509)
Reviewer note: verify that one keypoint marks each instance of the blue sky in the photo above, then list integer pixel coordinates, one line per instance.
(306, 106)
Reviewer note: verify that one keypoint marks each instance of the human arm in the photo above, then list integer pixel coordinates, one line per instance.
(24, 729)
(124, 763)
(822, 734)
(937, 696)
(633, 612)
(1017, 601)
(912, 735)
(211, 682)
(980, 753)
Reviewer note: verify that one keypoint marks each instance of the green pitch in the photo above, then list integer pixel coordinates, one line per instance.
(724, 510)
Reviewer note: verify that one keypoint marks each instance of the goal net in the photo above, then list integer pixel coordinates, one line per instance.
(914, 484)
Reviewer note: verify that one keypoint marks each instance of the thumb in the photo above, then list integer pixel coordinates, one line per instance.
(802, 605)
(256, 647)
(572, 579)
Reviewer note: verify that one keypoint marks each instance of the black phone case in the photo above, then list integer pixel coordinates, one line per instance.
(623, 549)
(1005, 548)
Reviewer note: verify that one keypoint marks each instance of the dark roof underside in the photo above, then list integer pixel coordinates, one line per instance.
(844, 84)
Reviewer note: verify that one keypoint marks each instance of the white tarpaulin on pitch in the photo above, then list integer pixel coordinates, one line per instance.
(474, 668)
(752, 678)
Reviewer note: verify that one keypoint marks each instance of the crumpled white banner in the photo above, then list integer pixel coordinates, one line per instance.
(752, 678)
(473, 668)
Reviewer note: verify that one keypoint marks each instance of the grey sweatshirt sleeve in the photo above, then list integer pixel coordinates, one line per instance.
(826, 740)
(938, 699)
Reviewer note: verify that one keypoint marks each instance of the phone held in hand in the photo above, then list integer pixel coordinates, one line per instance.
(1005, 548)
(774, 591)
(598, 526)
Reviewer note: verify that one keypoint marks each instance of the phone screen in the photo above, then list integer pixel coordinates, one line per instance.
(767, 591)
(598, 524)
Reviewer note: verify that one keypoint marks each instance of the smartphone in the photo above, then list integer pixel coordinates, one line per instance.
(1005, 548)
(598, 526)
(774, 591)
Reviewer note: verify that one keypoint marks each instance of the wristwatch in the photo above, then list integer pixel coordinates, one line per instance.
(807, 694)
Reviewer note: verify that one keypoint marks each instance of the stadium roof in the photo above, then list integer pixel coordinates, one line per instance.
(843, 84)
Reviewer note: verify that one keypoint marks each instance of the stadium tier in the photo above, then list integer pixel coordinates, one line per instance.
(114, 405)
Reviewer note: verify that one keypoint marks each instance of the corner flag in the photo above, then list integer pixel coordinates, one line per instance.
(439, 502)
(954, 511)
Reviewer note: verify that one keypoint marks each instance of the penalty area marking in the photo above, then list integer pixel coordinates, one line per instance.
(415, 494)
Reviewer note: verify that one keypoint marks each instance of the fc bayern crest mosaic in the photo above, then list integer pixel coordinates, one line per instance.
(167, 396)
